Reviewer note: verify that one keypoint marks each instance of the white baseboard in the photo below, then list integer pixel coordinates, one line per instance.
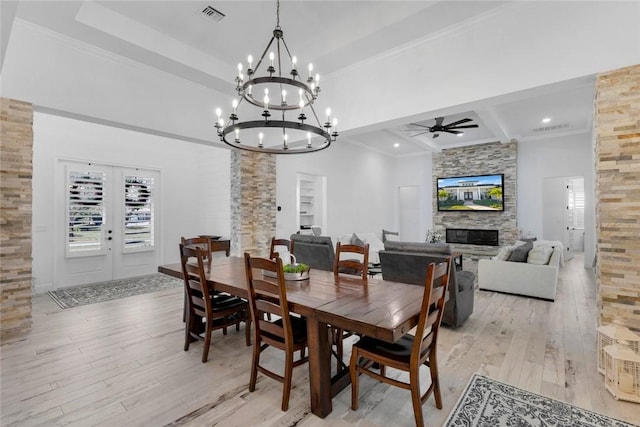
(42, 288)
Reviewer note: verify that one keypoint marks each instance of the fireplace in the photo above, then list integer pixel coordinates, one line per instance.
(469, 236)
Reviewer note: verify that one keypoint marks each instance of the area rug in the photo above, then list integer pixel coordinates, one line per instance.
(487, 402)
(115, 289)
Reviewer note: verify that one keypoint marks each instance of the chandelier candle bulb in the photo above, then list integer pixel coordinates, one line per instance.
(310, 71)
(237, 135)
(271, 57)
(249, 89)
(260, 136)
(294, 63)
(218, 113)
(328, 115)
(266, 102)
(284, 97)
(317, 79)
(335, 124)
(250, 61)
(308, 139)
(234, 104)
(286, 137)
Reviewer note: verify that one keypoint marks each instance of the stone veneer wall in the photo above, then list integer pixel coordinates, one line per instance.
(253, 202)
(16, 152)
(483, 159)
(618, 195)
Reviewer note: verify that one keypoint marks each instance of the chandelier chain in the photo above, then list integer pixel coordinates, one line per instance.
(278, 14)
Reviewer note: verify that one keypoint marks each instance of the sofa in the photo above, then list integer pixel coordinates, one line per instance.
(407, 262)
(521, 278)
(315, 251)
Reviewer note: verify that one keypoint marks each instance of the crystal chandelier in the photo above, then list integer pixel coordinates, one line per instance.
(279, 90)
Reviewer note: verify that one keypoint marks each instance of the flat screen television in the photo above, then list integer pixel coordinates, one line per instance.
(481, 193)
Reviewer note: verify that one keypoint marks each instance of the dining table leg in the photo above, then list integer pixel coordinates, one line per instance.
(319, 367)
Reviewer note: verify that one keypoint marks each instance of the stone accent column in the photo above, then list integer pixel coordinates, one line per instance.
(16, 152)
(618, 195)
(253, 202)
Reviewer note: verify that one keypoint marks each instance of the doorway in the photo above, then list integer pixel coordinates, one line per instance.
(563, 212)
(409, 213)
(106, 226)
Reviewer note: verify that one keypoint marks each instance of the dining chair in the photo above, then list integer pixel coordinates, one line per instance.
(288, 333)
(410, 352)
(207, 311)
(203, 242)
(353, 260)
(283, 243)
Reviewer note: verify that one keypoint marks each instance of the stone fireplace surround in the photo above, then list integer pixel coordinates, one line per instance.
(480, 159)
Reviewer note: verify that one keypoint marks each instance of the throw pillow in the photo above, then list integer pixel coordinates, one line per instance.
(540, 255)
(503, 254)
(375, 245)
(390, 235)
(519, 253)
(355, 240)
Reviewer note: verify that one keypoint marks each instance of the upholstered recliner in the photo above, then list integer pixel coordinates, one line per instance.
(407, 262)
(315, 251)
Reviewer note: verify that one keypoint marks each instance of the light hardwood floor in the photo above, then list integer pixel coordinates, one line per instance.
(121, 363)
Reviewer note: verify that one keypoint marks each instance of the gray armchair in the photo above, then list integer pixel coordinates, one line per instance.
(407, 262)
(315, 251)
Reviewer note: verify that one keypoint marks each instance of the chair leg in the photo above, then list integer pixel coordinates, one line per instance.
(207, 341)
(187, 331)
(435, 379)
(353, 372)
(247, 330)
(339, 348)
(288, 373)
(414, 382)
(254, 365)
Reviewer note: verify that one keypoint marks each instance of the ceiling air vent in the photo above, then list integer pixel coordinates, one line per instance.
(212, 13)
(551, 128)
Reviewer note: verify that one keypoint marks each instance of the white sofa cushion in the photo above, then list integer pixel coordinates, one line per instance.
(540, 255)
(503, 254)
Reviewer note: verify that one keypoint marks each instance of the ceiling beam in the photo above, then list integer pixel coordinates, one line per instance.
(490, 119)
(420, 142)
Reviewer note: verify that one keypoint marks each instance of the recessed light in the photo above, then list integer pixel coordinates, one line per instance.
(396, 145)
(546, 120)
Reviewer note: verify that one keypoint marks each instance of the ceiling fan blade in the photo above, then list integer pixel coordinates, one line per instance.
(461, 127)
(455, 132)
(439, 121)
(418, 134)
(458, 122)
(417, 124)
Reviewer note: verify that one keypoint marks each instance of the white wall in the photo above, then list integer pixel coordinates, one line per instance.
(190, 173)
(416, 170)
(558, 157)
(360, 189)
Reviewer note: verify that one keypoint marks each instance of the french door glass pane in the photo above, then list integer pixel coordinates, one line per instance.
(139, 218)
(85, 201)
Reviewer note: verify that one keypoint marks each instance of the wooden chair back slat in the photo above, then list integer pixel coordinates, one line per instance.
(357, 266)
(279, 242)
(431, 311)
(200, 242)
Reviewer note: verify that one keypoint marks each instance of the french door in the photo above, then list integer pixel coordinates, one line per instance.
(107, 223)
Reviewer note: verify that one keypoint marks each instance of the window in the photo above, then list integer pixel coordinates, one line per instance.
(138, 218)
(86, 212)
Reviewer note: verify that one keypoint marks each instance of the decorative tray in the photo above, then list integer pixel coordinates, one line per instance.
(303, 275)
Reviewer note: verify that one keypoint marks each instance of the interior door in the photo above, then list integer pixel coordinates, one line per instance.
(107, 224)
(409, 213)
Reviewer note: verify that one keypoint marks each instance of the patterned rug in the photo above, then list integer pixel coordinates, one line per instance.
(487, 402)
(107, 291)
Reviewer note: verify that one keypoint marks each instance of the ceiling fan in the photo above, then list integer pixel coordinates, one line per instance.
(439, 127)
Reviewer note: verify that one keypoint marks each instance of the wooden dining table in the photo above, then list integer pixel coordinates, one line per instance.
(374, 307)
